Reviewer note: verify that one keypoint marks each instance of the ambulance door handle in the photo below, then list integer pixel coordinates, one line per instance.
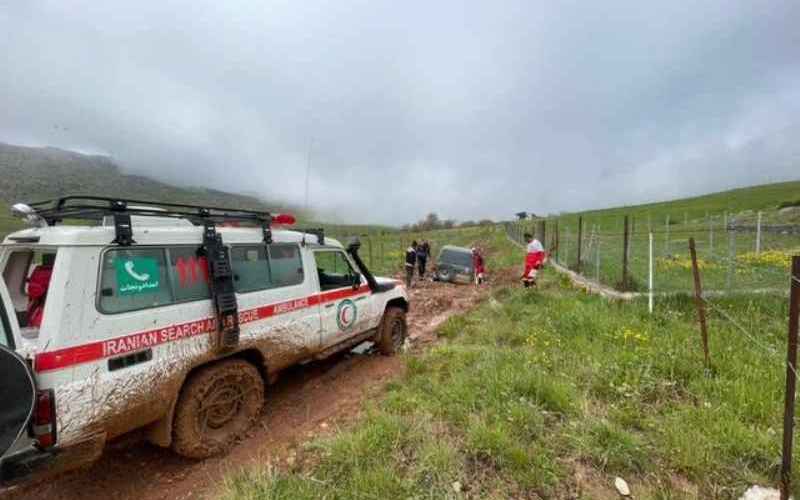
(328, 306)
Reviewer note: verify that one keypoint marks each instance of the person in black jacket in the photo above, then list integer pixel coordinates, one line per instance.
(411, 262)
(423, 252)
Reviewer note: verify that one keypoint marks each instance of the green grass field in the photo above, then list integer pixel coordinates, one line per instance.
(535, 389)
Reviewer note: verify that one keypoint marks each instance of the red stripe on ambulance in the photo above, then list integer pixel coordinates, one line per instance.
(69, 356)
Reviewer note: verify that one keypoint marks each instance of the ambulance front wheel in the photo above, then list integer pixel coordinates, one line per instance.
(392, 332)
(217, 406)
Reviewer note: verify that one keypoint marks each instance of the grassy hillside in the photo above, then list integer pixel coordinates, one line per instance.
(553, 393)
(32, 174)
(766, 197)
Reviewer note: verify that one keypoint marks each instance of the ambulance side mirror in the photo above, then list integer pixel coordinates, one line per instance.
(356, 280)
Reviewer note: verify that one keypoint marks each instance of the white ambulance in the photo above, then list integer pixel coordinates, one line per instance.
(169, 317)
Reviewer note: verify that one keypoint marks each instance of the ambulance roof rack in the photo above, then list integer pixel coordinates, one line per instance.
(95, 208)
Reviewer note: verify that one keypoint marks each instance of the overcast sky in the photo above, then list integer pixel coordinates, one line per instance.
(471, 110)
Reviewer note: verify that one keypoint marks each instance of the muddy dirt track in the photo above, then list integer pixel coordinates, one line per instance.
(306, 401)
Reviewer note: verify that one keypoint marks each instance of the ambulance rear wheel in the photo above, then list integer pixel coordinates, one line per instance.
(393, 331)
(217, 406)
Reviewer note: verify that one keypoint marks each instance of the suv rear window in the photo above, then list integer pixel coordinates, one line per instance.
(456, 258)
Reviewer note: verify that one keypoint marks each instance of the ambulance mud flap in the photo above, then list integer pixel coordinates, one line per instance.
(18, 394)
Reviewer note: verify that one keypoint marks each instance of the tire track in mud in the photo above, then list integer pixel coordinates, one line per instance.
(305, 402)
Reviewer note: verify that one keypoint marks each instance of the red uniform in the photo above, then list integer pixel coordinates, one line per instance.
(534, 260)
(38, 283)
(478, 267)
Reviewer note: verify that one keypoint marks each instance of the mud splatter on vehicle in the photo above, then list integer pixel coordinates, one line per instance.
(177, 331)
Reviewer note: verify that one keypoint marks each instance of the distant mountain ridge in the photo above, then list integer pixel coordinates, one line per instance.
(40, 173)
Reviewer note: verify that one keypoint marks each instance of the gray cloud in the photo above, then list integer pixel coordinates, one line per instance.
(469, 110)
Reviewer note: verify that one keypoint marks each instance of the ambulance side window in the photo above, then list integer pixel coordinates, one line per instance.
(334, 270)
(133, 279)
(189, 274)
(250, 268)
(286, 264)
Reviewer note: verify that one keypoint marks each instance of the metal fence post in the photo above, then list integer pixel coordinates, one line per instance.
(711, 236)
(731, 259)
(758, 235)
(625, 248)
(666, 237)
(791, 380)
(698, 299)
(650, 277)
(597, 260)
(580, 244)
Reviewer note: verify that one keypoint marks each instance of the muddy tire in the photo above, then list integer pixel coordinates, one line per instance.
(392, 332)
(217, 406)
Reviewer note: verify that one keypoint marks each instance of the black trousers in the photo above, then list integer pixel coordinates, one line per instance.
(421, 262)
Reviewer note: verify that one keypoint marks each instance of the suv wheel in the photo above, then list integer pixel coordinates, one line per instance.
(393, 331)
(445, 274)
(217, 406)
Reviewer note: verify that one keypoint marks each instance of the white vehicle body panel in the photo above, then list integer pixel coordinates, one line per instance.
(76, 340)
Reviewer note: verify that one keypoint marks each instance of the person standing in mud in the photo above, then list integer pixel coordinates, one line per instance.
(534, 260)
(478, 266)
(411, 262)
(423, 252)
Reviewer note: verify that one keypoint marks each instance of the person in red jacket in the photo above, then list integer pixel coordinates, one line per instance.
(38, 284)
(534, 260)
(478, 266)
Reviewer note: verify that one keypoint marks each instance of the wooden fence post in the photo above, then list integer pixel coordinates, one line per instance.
(698, 299)
(554, 241)
(791, 380)
(580, 243)
(543, 232)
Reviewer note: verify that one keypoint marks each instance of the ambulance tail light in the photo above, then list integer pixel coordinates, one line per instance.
(44, 419)
(285, 219)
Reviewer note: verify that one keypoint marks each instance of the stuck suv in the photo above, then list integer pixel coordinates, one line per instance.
(455, 265)
(166, 317)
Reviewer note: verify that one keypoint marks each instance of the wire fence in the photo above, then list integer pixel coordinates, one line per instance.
(735, 256)
(724, 263)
